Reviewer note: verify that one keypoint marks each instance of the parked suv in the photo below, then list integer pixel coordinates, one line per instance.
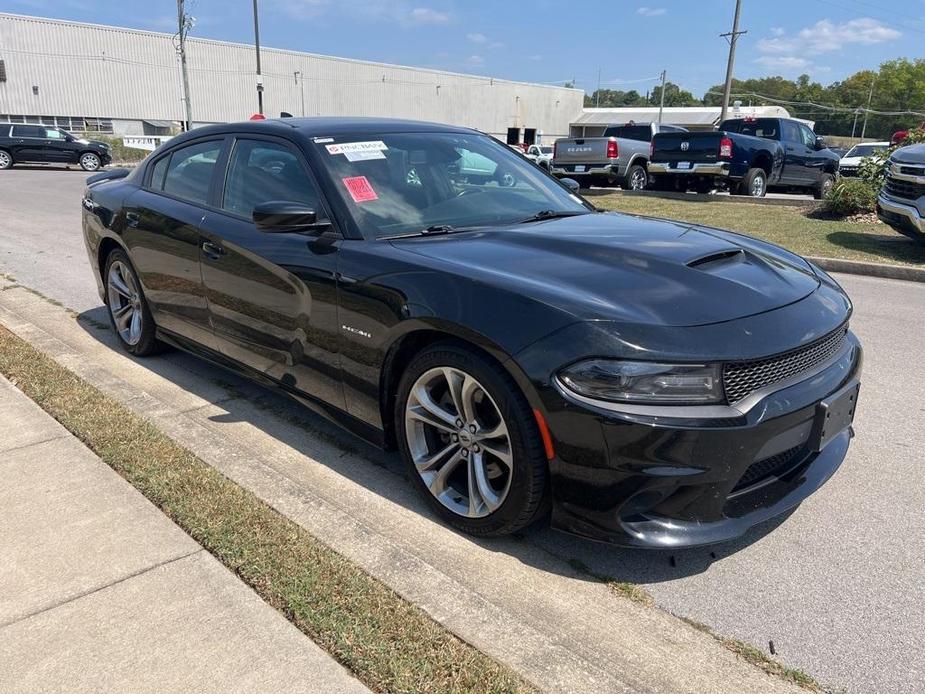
(901, 202)
(620, 156)
(746, 155)
(21, 144)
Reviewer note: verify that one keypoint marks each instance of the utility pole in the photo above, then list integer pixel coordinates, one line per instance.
(661, 106)
(598, 93)
(300, 78)
(854, 127)
(259, 78)
(733, 38)
(870, 97)
(184, 23)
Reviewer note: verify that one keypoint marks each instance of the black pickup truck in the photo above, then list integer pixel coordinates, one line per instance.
(25, 143)
(748, 156)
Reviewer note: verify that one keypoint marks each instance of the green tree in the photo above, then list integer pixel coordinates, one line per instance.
(674, 96)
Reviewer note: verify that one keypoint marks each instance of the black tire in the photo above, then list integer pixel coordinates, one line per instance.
(6, 159)
(755, 184)
(526, 498)
(636, 178)
(148, 344)
(89, 161)
(825, 185)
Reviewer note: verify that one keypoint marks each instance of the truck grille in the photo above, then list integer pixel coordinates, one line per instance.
(741, 379)
(904, 189)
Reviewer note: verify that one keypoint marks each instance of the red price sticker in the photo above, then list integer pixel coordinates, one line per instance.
(360, 189)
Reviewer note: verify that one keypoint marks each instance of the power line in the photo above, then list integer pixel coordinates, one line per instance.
(825, 107)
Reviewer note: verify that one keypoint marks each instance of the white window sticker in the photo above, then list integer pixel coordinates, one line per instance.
(364, 156)
(345, 147)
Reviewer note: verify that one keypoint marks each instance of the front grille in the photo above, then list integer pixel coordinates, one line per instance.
(775, 465)
(848, 171)
(904, 189)
(912, 170)
(743, 378)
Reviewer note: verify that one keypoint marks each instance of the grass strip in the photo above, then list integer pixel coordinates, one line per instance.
(757, 657)
(385, 641)
(789, 227)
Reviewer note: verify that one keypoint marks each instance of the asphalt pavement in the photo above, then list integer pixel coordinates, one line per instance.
(838, 586)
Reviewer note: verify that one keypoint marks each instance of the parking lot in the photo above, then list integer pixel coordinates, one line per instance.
(838, 586)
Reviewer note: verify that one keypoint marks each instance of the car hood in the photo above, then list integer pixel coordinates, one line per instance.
(626, 268)
(911, 154)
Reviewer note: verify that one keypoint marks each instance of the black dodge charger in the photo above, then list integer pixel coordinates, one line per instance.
(651, 383)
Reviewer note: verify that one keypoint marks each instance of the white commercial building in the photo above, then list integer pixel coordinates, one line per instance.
(87, 77)
(593, 121)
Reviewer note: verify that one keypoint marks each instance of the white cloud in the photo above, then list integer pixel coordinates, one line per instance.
(651, 11)
(825, 36)
(477, 38)
(426, 15)
(793, 53)
(475, 61)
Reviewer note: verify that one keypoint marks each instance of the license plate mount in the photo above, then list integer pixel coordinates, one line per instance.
(834, 415)
(579, 168)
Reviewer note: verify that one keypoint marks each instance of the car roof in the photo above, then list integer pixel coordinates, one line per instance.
(323, 126)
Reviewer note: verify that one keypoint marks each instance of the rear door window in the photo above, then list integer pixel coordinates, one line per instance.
(189, 172)
(28, 131)
(791, 132)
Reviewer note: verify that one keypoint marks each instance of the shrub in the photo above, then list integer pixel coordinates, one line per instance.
(873, 168)
(850, 196)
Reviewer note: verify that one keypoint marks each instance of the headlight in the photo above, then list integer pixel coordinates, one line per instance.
(645, 382)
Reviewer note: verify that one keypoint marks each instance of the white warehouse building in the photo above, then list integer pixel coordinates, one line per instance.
(92, 78)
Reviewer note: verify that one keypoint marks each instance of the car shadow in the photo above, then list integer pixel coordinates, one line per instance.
(384, 473)
(890, 245)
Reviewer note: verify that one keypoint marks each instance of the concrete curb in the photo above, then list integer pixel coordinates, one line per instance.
(697, 197)
(856, 267)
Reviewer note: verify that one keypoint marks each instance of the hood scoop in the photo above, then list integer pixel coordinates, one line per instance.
(731, 255)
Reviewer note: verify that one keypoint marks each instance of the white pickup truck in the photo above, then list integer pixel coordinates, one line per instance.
(619, 157)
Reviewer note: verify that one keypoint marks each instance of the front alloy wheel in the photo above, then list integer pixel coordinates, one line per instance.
(470, 441)
(459, 442)
(128, 310)
(6, 161)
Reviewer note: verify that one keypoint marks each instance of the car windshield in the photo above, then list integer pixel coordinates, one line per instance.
(864, 150)
(546, 150)
(403, 183)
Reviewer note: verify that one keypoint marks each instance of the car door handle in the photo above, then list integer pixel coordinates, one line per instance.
(212, 250)
(132, 219)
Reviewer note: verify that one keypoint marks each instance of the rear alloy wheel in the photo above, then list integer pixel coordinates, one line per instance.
(128, 311)
(824, 187)
(6, 161)
(90, 162)
(636, 178)
(755, 183)
(470, 441)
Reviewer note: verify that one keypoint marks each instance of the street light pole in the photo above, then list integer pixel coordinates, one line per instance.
(257, 46)
(661, 105)
(730, 66)
(183, 25)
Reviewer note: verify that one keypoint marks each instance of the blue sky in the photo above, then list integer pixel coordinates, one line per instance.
(551, 40)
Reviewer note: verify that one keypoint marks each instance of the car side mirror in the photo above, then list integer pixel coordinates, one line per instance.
(571, 184)
(281, 217)
(820, 144)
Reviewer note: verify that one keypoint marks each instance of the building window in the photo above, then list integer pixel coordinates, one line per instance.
(69, 123)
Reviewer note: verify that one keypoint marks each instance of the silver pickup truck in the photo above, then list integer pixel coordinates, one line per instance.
(620, 156)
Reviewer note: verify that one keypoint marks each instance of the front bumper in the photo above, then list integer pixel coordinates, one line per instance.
(905, 217)
(654, 482)
(720, 169)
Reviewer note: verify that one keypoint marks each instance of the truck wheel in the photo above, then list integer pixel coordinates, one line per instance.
(824, 187)
(636, 178)
(755, 184)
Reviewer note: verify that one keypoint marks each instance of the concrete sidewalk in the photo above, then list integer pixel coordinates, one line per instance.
(99, 591)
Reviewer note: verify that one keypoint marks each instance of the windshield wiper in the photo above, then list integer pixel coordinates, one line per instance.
(437, 229)
(550, 214)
